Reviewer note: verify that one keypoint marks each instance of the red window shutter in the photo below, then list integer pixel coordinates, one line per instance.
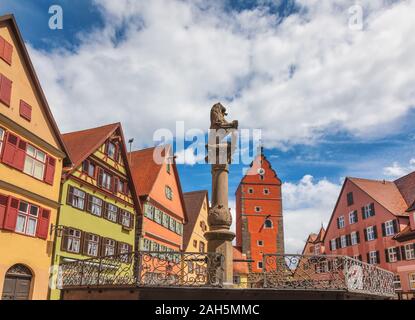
(10, 148)
(50, 170)
(2, 44)
(43, 225)
(8, 52)
(115, 182)
(5, 90)
(100, 173)
(20, 155)
(25, 110)
(3, 208)
(11, 214)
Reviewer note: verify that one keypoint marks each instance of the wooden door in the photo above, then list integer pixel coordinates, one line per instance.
(17, 283)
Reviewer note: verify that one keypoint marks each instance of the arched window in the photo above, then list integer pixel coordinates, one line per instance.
(17, 283)
(268, 224)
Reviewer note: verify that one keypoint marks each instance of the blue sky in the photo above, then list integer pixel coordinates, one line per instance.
(330, 103)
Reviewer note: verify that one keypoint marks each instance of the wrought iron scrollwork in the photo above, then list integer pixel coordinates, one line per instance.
(152, 269)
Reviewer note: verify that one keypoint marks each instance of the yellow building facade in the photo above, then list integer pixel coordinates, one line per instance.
(197, 206)
(98, 203)
(31, 160)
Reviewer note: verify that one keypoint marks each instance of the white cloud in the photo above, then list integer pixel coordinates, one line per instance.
(177, 58)
(396, 170)
(188, 156)
(307, 204)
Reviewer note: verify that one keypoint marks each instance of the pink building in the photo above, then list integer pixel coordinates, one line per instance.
(373, 221)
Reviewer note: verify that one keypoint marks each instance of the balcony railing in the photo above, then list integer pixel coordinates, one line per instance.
(304, 272)
(151, 269)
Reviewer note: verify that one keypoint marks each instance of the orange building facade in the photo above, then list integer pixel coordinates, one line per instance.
(159, 189)
(259, 218)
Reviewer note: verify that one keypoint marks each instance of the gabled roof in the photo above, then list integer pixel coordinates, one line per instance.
(9, 18)
(386, 193)
(320, 236)
(193, 202)
(145, 172)
(406, 186)
(81, 144)
(238, 266)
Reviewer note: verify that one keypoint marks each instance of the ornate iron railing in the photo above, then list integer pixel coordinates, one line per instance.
(325, 272)
(151, 269)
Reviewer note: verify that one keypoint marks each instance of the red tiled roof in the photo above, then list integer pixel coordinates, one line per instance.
(144, 170)
(406, 186)
(81, 144)
(239, 267)
(193, 202)
(386, 193)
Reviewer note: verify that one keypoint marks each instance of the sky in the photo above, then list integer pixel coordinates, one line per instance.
(334, 95)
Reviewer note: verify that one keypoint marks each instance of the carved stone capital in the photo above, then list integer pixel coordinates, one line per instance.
(219, 218)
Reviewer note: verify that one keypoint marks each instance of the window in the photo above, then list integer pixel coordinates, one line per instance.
(333, 244)
(370, 233)
(78, 198)
(261, 177)
(353, 217)
(373, 257)
(260, 243)
(368, 211)
(88, 168)
(125, 219)
(112, 212)
(1, 139)
(96, 205)
(109, 247)
(350, 199)
(343, 241)
(111, 150)
(34, 162)
(157, 216)
(106, 180)
(146, 245)
(165, 220)
(317, 249)
(72, 241)
(340, 222)
(27, 219)
(410, 251)
(258, 209)
(397, 282)
(168, 168)
(354, 238)
(268, 224)
(201, 247)
(91, 245)
(195, 243)
(179, 228)
(149, 211)
(412, 281)
(389, 228)
(172, 224)
(259, 264)
(392, 254)
(169, 193)
(250, 191)
(266, 191)
(190, 266)
(124, 248)
(237, 280)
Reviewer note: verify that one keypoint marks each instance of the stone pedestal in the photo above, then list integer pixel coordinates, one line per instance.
(220, 241)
